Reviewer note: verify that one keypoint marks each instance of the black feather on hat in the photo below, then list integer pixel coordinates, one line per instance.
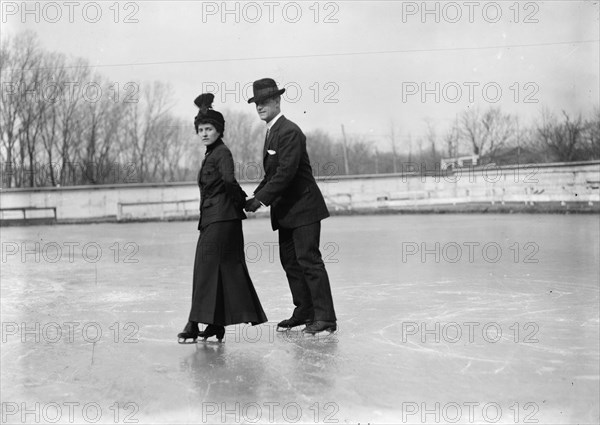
(206, 115)
(204, 102)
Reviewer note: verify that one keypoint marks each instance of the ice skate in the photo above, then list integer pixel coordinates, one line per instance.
(189, 332)
(292, 322)
(213, 330)
(320, 326)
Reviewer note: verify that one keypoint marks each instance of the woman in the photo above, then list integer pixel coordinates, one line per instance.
(223, 293)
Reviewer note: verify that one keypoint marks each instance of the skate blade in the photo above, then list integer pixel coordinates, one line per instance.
(185, 341)
(211, 342)
(280, 329)
(329, 332)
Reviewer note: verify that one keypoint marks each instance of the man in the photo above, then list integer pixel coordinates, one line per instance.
(297, 208)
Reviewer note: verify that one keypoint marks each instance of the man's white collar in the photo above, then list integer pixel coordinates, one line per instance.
(271, 123)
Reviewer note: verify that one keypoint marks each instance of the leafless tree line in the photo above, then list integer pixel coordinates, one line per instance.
(61, 124)
(495, 137)
(56, 130)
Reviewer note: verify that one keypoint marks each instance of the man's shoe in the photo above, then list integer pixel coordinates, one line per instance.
(290, 323)
(213, 330)
(320, 326)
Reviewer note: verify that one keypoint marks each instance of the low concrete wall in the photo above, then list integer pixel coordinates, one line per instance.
(526, 184)
(562, 185)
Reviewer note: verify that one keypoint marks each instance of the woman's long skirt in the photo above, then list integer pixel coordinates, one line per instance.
(223, 292)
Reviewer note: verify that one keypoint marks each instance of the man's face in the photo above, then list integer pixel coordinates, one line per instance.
(267, 109)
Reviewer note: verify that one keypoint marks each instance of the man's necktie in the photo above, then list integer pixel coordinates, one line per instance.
(267, 139)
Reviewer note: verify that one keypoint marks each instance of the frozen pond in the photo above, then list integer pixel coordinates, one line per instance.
(442, 318)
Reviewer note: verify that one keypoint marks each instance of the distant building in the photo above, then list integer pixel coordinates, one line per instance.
(460, 161)
(507, 156)
(510, 156)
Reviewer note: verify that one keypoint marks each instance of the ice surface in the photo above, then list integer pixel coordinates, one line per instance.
(418, 338)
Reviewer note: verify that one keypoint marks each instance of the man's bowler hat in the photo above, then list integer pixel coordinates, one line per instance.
(264, 89)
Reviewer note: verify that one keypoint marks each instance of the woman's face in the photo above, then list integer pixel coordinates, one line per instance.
(208, 134)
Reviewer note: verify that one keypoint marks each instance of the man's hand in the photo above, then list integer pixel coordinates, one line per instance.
(252, 205)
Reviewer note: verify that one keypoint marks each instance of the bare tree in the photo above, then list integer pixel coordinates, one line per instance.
(148, 121)
(359, 156)
(431, 137)
(451, 140)
(564, 139)
(21, 109)
(103, 137)
(393, 142)
(488, 132)
(33, 107)
(9, 106)
(326, 155)
(592, 135)
(71, 113)
(245, 136)
(56, 78)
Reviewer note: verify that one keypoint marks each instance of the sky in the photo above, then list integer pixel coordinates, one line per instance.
(366, 65)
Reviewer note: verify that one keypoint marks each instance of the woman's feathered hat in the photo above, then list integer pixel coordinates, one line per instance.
(206, 115)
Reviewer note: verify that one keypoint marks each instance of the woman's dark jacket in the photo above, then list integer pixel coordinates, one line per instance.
(221, 197)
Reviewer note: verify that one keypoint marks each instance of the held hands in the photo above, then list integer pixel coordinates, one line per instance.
(252, 205)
